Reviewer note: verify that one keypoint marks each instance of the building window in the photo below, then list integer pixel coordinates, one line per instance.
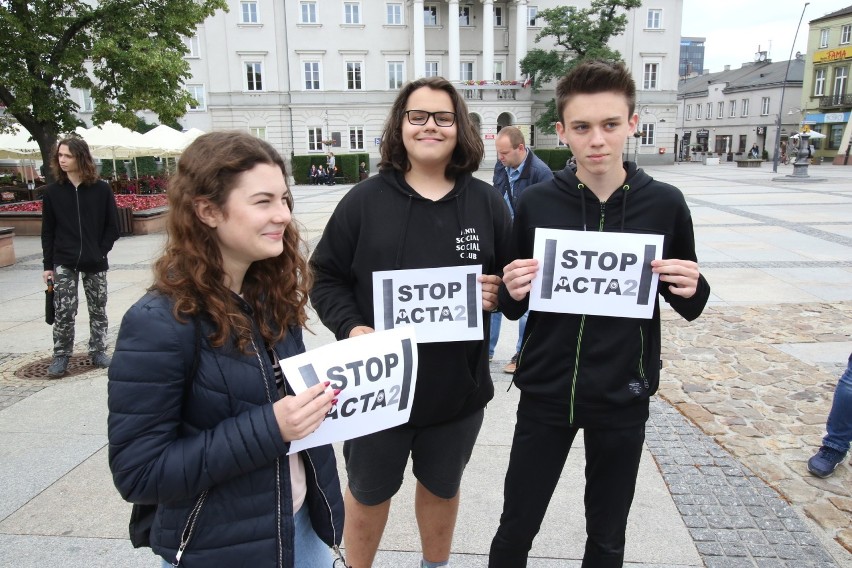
(688, 112)
(356, 137)
(315, 139)
(845, 34)
(764, 106)
(708, 111)
(430, 15)
(254, 76)
(732, 109)
(498, 16)
(648, 134)
(394, 14)
(197, 93)
(431, 69)
(307, 12)
(498, 70)
(248, 13)
(353, 76)
(88, 104)
(655, 19)
(650, 81)
(193, 48)
(744, 108)
(466, 70)
(819, 83)
(532, 15)
(823, 37)
(698, 111)
(720, 113)
(258, 132)
(835, 135)
(464, 15)
(396, 75)
(352, 12)
(840, 75)
(312, 75)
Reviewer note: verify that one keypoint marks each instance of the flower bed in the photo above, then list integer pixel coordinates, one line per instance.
(149, 213)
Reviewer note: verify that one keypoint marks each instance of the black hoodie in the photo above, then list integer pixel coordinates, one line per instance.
(384, 224)
(599, 371)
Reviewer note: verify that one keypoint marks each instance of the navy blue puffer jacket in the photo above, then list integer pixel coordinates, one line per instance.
(225, 439)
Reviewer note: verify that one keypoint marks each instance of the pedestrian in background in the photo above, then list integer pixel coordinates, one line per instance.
(411, 215)
(516, 169)
(838, 428)
(200, 416)
(331, 169)
(79, 225)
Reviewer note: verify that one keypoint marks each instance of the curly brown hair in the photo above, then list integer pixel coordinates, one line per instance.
(469, 148)
(82, 155)
(191, 270)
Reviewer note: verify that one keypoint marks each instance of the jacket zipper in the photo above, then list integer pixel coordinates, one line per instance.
(335, 548)
(189, 528)
(580, 334)
(642, 358)
(79, 227)
(277, 460)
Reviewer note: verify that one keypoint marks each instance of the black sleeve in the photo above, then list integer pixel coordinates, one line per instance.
(683, 248)
(48, 230)
(110, 233)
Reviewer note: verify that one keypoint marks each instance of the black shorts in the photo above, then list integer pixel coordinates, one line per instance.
(376, 463)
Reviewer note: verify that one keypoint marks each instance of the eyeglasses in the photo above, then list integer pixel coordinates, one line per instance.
(421, 117)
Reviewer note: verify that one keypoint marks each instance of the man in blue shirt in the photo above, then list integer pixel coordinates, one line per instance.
(516, 169)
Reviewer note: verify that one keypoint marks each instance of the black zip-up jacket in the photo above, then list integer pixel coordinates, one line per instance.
(383, 224)
(79, 226)
(599, 371)
(223, 438)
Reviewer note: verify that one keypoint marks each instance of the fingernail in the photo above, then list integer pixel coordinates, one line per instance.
(333, 402)
(336, 392)
(327, 383)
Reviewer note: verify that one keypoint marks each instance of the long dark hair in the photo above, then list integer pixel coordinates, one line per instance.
(469, 148)
(82, 155)
(191, 271)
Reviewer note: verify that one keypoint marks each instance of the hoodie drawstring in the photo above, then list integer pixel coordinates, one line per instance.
(626, 188)
(582, 189)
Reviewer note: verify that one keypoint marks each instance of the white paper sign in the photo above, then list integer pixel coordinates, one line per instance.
(377, 374)
(595, 273)
(443, 304)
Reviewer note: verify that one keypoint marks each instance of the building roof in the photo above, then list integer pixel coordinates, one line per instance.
(836, 14)
(748, 77)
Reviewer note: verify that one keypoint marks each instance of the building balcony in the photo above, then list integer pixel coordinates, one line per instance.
(835, 101)
(493, 90)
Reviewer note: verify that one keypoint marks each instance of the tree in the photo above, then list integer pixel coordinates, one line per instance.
(127, 53)
(581, 34)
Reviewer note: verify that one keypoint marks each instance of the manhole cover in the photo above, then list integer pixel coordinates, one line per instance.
(77, 365)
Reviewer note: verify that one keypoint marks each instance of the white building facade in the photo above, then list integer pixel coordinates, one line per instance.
(303, 73)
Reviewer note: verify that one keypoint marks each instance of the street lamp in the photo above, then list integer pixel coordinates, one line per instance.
(783, 88)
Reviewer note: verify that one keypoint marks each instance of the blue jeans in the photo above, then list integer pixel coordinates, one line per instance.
(496, 320)
(310, 550)
(839, 423)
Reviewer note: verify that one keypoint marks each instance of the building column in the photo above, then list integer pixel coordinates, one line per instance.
(487, 40)
(455, 53)
(521, 21)
(419, 60)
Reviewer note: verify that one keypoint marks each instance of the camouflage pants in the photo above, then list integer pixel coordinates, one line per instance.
(65, 303)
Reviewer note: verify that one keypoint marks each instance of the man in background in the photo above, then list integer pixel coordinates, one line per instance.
(79, 226)
(516, 169)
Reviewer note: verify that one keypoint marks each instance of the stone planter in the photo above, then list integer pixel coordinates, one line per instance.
(29, 223)
(708, 161)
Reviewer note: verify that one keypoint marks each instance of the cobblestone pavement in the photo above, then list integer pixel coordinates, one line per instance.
(725, 373)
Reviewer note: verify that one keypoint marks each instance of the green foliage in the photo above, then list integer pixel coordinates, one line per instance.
(107, 169)
(555, 158)
(127, 53)
(579, 34)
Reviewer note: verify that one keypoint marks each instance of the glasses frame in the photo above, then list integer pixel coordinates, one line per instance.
(428, 116)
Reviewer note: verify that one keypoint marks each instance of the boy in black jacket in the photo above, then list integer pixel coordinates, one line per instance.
(583, 371)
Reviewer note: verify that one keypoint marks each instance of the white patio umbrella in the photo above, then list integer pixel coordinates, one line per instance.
(16, 145)
(192, 134)
(111, 140)
(813, 134)
(165, 141)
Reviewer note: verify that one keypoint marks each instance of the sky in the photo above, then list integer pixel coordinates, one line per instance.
(735, 29)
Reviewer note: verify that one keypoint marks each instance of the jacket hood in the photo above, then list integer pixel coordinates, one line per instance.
(566, 180)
